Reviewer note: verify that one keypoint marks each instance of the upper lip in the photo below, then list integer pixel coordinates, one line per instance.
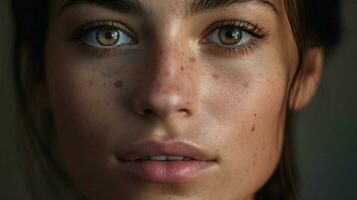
(168, 148)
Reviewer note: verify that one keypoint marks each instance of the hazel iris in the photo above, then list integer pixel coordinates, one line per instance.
(230, 35)
(108, 36)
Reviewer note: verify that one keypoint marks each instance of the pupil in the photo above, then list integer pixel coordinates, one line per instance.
(230, 36)
(111, 35)
(108, 37)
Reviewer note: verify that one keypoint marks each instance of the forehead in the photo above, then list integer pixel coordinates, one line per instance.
(187, 7)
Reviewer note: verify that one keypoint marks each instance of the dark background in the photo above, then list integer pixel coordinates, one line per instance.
(325, 140)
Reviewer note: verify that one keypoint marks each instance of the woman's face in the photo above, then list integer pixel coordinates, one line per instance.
(169, 99)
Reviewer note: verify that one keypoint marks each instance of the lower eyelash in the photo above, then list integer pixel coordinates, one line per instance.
(240, 50)
(95, 52)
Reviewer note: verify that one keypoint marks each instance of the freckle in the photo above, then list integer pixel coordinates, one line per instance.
(182, 68)
(193, 60)
(253, 128)
(188, 103)
(118, 84)
(215, 76)
(161, 52)
(255, 114)
(254, 155)
(254, 163)
(90, 83)
(246, 84)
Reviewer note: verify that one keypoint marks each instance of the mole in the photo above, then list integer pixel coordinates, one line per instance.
(118, 84)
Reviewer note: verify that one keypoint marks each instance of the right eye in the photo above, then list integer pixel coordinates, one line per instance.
(107, 37)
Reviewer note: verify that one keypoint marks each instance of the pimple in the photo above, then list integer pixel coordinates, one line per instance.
(118, 84)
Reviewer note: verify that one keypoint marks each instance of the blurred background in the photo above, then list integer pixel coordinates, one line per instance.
(325, 141)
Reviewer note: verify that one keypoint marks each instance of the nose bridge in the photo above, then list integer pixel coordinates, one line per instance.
(170, 86)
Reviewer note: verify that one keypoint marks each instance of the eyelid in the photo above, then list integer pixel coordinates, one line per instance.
(92, 25)
(250, 28)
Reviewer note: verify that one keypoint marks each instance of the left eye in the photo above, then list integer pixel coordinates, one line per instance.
(107, 37)
(228, 36)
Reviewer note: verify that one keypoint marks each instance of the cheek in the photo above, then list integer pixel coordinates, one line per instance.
(250, 105)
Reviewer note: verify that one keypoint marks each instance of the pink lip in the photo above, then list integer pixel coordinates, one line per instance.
(166, 171)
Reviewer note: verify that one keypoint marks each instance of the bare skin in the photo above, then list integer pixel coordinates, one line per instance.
(173, 80)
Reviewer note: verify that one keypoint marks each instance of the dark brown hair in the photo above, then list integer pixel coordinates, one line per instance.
(315, 23)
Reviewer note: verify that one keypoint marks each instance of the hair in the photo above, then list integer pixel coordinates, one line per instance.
(314, 23)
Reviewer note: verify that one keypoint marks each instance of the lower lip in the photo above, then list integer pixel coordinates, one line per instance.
(167, 172)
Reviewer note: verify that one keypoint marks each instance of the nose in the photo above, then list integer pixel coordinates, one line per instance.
(169, 87)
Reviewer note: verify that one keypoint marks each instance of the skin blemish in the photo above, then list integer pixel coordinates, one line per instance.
(255, 114)
(215, 76)
(161, 52)
(182, 68)
(254, 163)
(118, 84)
(245, 84)
(192, 60)
(90, 83)
(253, 128)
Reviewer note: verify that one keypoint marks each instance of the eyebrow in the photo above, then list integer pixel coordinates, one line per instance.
(199, 6)
(136, 8)
(124, 6)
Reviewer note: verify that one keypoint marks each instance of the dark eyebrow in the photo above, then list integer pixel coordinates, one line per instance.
(199, 6)
(125, 6)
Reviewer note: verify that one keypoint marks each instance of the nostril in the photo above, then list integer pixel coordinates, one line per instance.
(184, 111)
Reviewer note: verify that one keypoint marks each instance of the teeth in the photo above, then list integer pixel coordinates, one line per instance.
(158, 158)
(164, 158)
(174, 158)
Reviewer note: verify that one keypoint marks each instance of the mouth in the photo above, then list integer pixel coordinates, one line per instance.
(164, 158)
(166, 162)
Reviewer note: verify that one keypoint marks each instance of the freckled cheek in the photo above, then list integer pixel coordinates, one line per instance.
(77, 98)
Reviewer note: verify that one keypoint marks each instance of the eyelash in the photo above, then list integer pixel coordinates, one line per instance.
(252, 29)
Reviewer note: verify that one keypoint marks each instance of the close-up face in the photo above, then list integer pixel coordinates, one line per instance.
(169, 99)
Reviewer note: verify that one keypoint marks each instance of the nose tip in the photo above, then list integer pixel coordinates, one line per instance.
(163, 106)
